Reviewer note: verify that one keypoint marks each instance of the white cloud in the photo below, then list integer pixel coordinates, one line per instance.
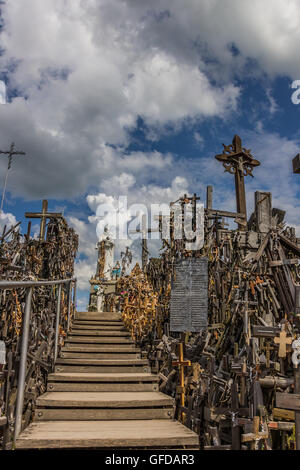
(8, 220)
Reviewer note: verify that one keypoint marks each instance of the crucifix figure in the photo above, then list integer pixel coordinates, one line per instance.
(44, 215)
(10, 153)
(144, 231)
(238, 160)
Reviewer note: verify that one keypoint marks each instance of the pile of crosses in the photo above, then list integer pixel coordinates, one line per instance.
(139, 312)
(50, 256)
(236, 382)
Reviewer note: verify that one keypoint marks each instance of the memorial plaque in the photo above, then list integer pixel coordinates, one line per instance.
(188, 309)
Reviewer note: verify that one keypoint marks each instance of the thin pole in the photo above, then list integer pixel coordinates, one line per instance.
(74, 294)
(57, 323)
(23, 360)
(69, 305)
(4, 190)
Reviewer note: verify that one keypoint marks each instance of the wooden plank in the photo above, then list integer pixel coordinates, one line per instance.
(289, 401)
(96, 333)
(102, 377)
(106, 434)
(104, 399)
(99, 340)
(279, 413)
(81, 327)
(104, 349)
(103, 368)
(280, 425)
(100, 355)
(88, 343)
(75, 414)
(101, 387)
(104, 362)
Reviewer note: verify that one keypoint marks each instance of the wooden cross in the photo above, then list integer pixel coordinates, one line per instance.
(181, 363)
(255, 436)
(144, 231)
(268, 348)
(10, 153)
(282, 341)
(44, 215)
(238, 160)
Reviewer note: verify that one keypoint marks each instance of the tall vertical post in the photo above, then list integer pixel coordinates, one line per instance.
(209, 202)
(10, 153)
(69, 304)
(75, 294)
(22, 367)
(297, 413)
(57, 323)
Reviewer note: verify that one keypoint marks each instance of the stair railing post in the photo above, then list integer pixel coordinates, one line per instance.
(22, 367)
(74, 294)
(69, 305)
(57, 323)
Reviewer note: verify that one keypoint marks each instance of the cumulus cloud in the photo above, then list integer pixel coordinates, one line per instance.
(8, 220)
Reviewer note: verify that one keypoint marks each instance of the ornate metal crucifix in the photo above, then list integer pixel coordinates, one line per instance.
(10, 153)
(238, 160)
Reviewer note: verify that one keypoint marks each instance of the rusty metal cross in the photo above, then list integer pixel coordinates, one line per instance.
(10, 153)
(238, 160)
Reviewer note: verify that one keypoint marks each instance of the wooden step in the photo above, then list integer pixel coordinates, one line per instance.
(99, 346)
(103, 362)
(96, 333)
(103, 400)
(102, 365)
(98, 322)
(102, 349)
(97, 316)
(101, 355)
(85, 414)
(101, 387)
(103, 405)
(107, 434)
(102, 377)
(99, 339)
(76, 326)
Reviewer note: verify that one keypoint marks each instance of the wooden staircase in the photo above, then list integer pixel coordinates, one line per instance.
(102, 395)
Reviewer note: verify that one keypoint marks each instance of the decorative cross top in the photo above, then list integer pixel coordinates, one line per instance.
(10, 153)
(44, 215)
(238, 160)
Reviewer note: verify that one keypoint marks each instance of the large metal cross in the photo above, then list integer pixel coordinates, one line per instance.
(44, 215)
(10, 153)
(238, 160)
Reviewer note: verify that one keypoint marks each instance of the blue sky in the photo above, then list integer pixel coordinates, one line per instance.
(132, 98)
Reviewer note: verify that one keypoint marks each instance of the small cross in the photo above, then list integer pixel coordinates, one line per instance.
(256, 435)
(10, 153)
(282, 341)
(268, 348)
(144, 231)
(181, 363)
(44, 215)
